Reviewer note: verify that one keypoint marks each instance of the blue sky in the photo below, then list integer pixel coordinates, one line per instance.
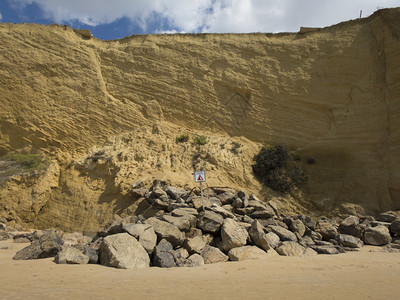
(112, 19)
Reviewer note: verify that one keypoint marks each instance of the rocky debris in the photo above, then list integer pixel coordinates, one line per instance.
(249, 253)
(71, 255)
(213, 255)
(239, 225)
(289, 248)
(163, 256)
(3, 226)
(232, 235)
(377, 236)
(48, 245)
(123, 251)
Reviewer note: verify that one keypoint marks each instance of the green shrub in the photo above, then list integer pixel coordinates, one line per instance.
(200, 140)
(182, 138)
(275, 170)
(27, 161)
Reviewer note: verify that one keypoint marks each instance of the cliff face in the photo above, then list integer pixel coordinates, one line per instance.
(332, 95)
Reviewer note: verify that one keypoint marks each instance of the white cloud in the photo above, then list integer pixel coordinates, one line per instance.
(212, 15)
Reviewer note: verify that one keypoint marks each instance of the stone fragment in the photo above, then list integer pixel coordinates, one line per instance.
(198, 202)
(123, 251)
(306, 241)
(310, 223)
(349, 241)
(3, 226)
(176, 193)
(245, 211)
(258, 236)
(213, 255)
(289, 248)
(209, 221)
(232, 235)
(377, 236)
(226, 197)
(214, 201)
(263, 214)
(327, 230)
(297, 226)
(195, 260)
(48, 245)
(71, 255)
(181, 212)
(195, 244)
(165, 230)
(325, 249)
(144, 233)
(388, 216)
(249, 253)
(223, 212)
(180, 255)
(163, 255)
(284, 234)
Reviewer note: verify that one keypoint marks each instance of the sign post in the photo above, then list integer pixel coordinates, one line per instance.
(200, 176)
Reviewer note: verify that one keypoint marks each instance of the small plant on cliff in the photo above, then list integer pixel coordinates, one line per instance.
(276, 171)
(200, 140)
(27, 161)
(182, 138)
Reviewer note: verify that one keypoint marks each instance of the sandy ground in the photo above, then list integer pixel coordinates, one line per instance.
(356, 275)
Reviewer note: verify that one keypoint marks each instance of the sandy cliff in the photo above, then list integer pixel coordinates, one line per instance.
(332, 95)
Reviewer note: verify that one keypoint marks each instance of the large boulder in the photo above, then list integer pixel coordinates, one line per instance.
(71, 255)
(195, 244)
(176, 193)
(184, 211)
(233, 235)
(272, 239)
(284, 234)
(349, 241)
(48, 245)
(351, 226)
(213, 255)
(327, 230)
(165, 230)
(325, 249)
(144, 233)
(249, 253)
(184, 223)
(258, 236)
(123, 251)
(289, 248)
(209, 221)
(163, 255)
(180, 256)
(395, 227)
(377, 236)
(297, 226)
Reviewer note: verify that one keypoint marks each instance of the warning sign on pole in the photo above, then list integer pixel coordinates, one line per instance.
(200, 176)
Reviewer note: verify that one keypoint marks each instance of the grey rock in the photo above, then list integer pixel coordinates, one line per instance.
(163, 255)
(284, 234)
(195, 260)
(48, 245)
(327, 230)
(272, 239)
(165, 230)
(213, 255)
(351, 226)
(377, 236)
(258, 236)
(325, 249)
(180, 255)
(395, 227)
(237, 202)
(181, 212)
(306, 241)
(250, 253)
(232, 235)
(258, 205)
(3, 226)
(144, 233)
(123, 251)
(195, 244)
(297, 226)
(214, 201)
(71, 255)
(226, 197)
(184, 223)
(316, 236)
(263, 214)
(209, 221)
(223, 212)
(93, 254)
(245, 211)
(176, 193)
(349, 241)
(289, 248)
(307, 221)
(389, 217)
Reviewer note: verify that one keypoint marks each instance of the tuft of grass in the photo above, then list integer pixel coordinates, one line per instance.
(182, 138)
(27, 161)
(200, 140)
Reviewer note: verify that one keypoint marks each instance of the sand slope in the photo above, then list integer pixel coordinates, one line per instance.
(362, 275)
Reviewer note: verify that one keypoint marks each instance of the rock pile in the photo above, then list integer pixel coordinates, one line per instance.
(234, 226)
